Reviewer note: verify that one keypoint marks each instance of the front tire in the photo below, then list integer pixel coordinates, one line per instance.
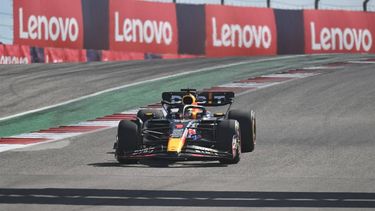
(128, 139)
(247, 122)
(227, 139)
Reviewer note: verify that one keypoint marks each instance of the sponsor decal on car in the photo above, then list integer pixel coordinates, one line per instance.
(177, 133)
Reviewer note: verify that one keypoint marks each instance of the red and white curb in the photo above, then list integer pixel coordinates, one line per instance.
(261, 82)
(110, 121)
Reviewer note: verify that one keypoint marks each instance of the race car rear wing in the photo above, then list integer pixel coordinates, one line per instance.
(202, 98)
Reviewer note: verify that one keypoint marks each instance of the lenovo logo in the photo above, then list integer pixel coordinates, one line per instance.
(246, 36)
(13, 60)
(340, 38)
(138, 31)
(43, 28)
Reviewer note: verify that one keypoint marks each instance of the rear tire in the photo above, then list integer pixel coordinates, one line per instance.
(128, 139)
(157, 114)
(247, 122)
(227, 139)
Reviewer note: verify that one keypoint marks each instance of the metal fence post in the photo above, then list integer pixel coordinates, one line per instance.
(317, 4)
(365, 5)
(268, 3)
(222, 2)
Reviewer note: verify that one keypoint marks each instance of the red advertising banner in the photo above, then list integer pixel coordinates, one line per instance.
(339, 32)
(44, 23)
(15, 54)
(240, 31)
(59, 55)
(140, 26)
(121, 56)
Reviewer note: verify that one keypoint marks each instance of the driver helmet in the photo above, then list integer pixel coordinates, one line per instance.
(193, 113)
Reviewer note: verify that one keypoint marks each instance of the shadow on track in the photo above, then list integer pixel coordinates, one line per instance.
(161, 164)
(170, 198)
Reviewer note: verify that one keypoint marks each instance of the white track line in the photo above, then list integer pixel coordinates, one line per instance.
(290, 75)
(322, 67)
(7, 147)
(50, 136)
(148, 81)
(19, 146)
(249, 85)
(97, 123)
(361, 62)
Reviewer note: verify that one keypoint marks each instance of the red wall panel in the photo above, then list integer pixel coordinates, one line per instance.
(59, 55)
(339, 32)
(15, 54)
(240, 31)
(140, 26)
(49, 23)
(121, 56)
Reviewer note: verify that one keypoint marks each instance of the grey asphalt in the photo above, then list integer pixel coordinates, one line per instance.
(28, 87)
(315, 150)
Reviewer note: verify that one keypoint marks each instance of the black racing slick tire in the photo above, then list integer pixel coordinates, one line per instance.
(247, 122)
(128, 139)
(227, 139)
(143, 114)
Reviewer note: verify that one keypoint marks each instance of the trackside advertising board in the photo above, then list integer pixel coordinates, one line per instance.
(48, 23)
(155, 28)
(58, 55)
(15, 54)
(339, 32)
(142, 26)
(240, 31)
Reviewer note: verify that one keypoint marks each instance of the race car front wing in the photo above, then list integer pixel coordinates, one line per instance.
(190, 152)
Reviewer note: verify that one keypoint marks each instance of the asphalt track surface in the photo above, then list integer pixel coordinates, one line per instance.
(40, 85)
(315, 150)
(29, 87)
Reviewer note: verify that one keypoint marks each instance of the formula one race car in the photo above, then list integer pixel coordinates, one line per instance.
(186, 130)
